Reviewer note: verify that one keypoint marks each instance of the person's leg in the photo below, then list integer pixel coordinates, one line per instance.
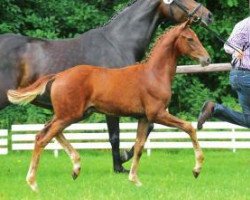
(240, 81)
(226, 114)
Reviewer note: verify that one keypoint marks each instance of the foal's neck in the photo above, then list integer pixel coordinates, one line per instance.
(164, 55)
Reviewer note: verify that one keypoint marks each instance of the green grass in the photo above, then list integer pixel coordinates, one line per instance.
(165, 175)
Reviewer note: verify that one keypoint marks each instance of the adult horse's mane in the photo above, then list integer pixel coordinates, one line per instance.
(118, 12)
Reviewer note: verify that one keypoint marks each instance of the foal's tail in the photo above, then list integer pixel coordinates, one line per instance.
(25, 95)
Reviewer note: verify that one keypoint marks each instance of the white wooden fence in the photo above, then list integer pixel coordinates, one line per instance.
(3, 142)
(216, 135)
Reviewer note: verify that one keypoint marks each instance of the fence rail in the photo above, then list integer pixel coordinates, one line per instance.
(218, 67)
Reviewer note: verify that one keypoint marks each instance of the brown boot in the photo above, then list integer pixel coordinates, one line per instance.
(206, 113)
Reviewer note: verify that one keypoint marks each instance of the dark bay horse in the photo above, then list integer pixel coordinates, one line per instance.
(121, 42)
(142, 91)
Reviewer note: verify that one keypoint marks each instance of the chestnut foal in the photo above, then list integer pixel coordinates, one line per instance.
(142, 91)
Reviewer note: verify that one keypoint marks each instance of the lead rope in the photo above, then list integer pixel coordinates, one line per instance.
(221, 39)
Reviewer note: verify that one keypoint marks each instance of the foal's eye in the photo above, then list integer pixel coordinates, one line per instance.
(190, 39)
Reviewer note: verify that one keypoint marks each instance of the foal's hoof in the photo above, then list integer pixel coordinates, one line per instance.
(135, 180)
(32, 183)
(76, 173)
(138, 184)
(33, 186)
(196, 173)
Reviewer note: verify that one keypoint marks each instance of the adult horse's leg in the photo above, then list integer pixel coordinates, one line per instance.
(42, 139)
(127, 155)
(3, 101)
(114, 138)
(167, 119)
(73, 154)
(141, 137)
(4, 86)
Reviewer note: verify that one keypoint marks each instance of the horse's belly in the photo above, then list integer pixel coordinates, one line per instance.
(120, 108)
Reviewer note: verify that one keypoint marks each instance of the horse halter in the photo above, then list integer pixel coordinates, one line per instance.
(185, 9)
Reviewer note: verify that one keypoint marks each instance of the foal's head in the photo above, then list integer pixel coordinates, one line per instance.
(189, 44)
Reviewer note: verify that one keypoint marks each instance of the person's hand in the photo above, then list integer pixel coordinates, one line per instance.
(239, 54)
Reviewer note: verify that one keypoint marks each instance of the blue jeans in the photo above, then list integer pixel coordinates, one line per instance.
(240, 82)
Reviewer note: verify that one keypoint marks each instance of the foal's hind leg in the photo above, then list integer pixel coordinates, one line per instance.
(141, 138)
(127, 155)
(69, 149)
(42, 139)
(73, 154)
(167, 119)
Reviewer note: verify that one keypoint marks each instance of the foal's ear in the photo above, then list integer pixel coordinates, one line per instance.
(186, 24)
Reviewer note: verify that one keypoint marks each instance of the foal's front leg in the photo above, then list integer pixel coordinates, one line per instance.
(141, 138)
(167, 119)
(127, 155)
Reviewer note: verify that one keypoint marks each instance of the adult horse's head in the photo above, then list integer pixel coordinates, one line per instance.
(181, 10)
(189, 44)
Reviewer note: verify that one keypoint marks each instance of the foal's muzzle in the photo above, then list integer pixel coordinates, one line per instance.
(205, 61)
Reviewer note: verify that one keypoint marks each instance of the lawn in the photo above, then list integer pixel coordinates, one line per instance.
(166, 174)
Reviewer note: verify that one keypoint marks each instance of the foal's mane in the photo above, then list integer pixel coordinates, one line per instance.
(157, 41)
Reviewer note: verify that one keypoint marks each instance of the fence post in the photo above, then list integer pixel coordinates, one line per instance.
(148, 149)
(56, 150)
(4, 141)
(233, 140)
